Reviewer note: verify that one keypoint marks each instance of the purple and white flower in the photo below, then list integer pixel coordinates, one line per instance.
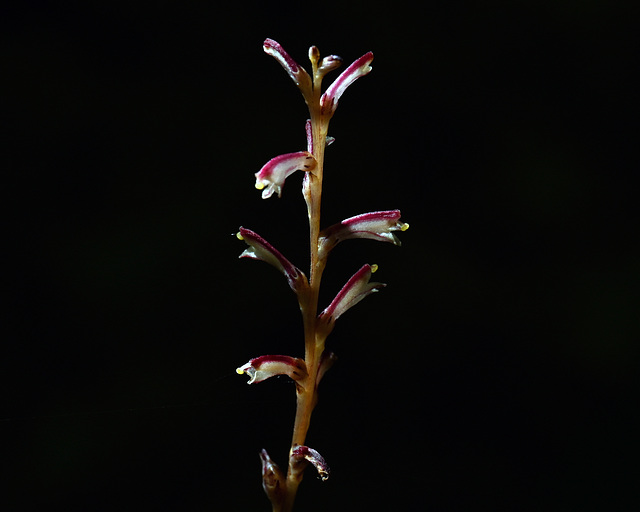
(356, 289)
(373, 225)
(297, 73)
(263, 367)
(278, 169)
(329, 100)
(260, 249)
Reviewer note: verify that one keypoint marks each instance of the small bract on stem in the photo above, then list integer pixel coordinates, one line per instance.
(280, 486)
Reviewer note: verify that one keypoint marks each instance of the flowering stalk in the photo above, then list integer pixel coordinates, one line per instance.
(279, 486)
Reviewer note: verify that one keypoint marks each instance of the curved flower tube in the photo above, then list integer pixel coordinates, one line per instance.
(297, 73)
(329, 100)
(278, 169)
(373, 225)
(260, 249)
(356, 289)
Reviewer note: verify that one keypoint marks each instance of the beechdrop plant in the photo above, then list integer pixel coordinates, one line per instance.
(307, 373)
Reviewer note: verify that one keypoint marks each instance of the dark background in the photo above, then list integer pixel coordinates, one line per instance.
(497, 371)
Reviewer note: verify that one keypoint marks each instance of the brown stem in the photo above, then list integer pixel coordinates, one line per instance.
(314, 345)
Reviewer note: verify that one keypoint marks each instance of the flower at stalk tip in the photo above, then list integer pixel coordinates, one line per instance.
(260, 249)
(278, 169)
(374, 225)
(356, 289)
(263, 367)
(297, 73)
(301, 455)
(329, 100)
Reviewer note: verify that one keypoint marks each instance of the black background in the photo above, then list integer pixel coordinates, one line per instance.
(497, 371)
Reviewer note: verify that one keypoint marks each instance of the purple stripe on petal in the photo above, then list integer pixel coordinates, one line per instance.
(356, 289)
(295, 71)
(309, 130)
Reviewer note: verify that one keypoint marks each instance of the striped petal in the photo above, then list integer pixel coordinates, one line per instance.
(374, 226)
(356, 289)
(329, 100)
(297, 73)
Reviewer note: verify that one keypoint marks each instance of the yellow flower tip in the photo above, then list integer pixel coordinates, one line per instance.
(240, 237)
(239, 371)
(404, 227)
(260, 185)
(374, 267)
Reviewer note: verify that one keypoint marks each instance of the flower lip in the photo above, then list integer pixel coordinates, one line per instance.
(278, 169)
(360, 67)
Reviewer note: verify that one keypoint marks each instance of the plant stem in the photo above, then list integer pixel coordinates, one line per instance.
(314, 344)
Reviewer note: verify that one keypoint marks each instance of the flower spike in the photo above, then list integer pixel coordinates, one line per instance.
(297, 73)
(278, 169)
(260, 249)
(374, 225)
(356, 289)
(361, 67)
(263, 367)
(307, 373)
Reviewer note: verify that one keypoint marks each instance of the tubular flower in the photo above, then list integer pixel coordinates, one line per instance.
(297, 73)
(374, 225)
(260, 249)
(329, 100)
(300, 455)
(356, 289)
(278, 169)
(263, 367)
